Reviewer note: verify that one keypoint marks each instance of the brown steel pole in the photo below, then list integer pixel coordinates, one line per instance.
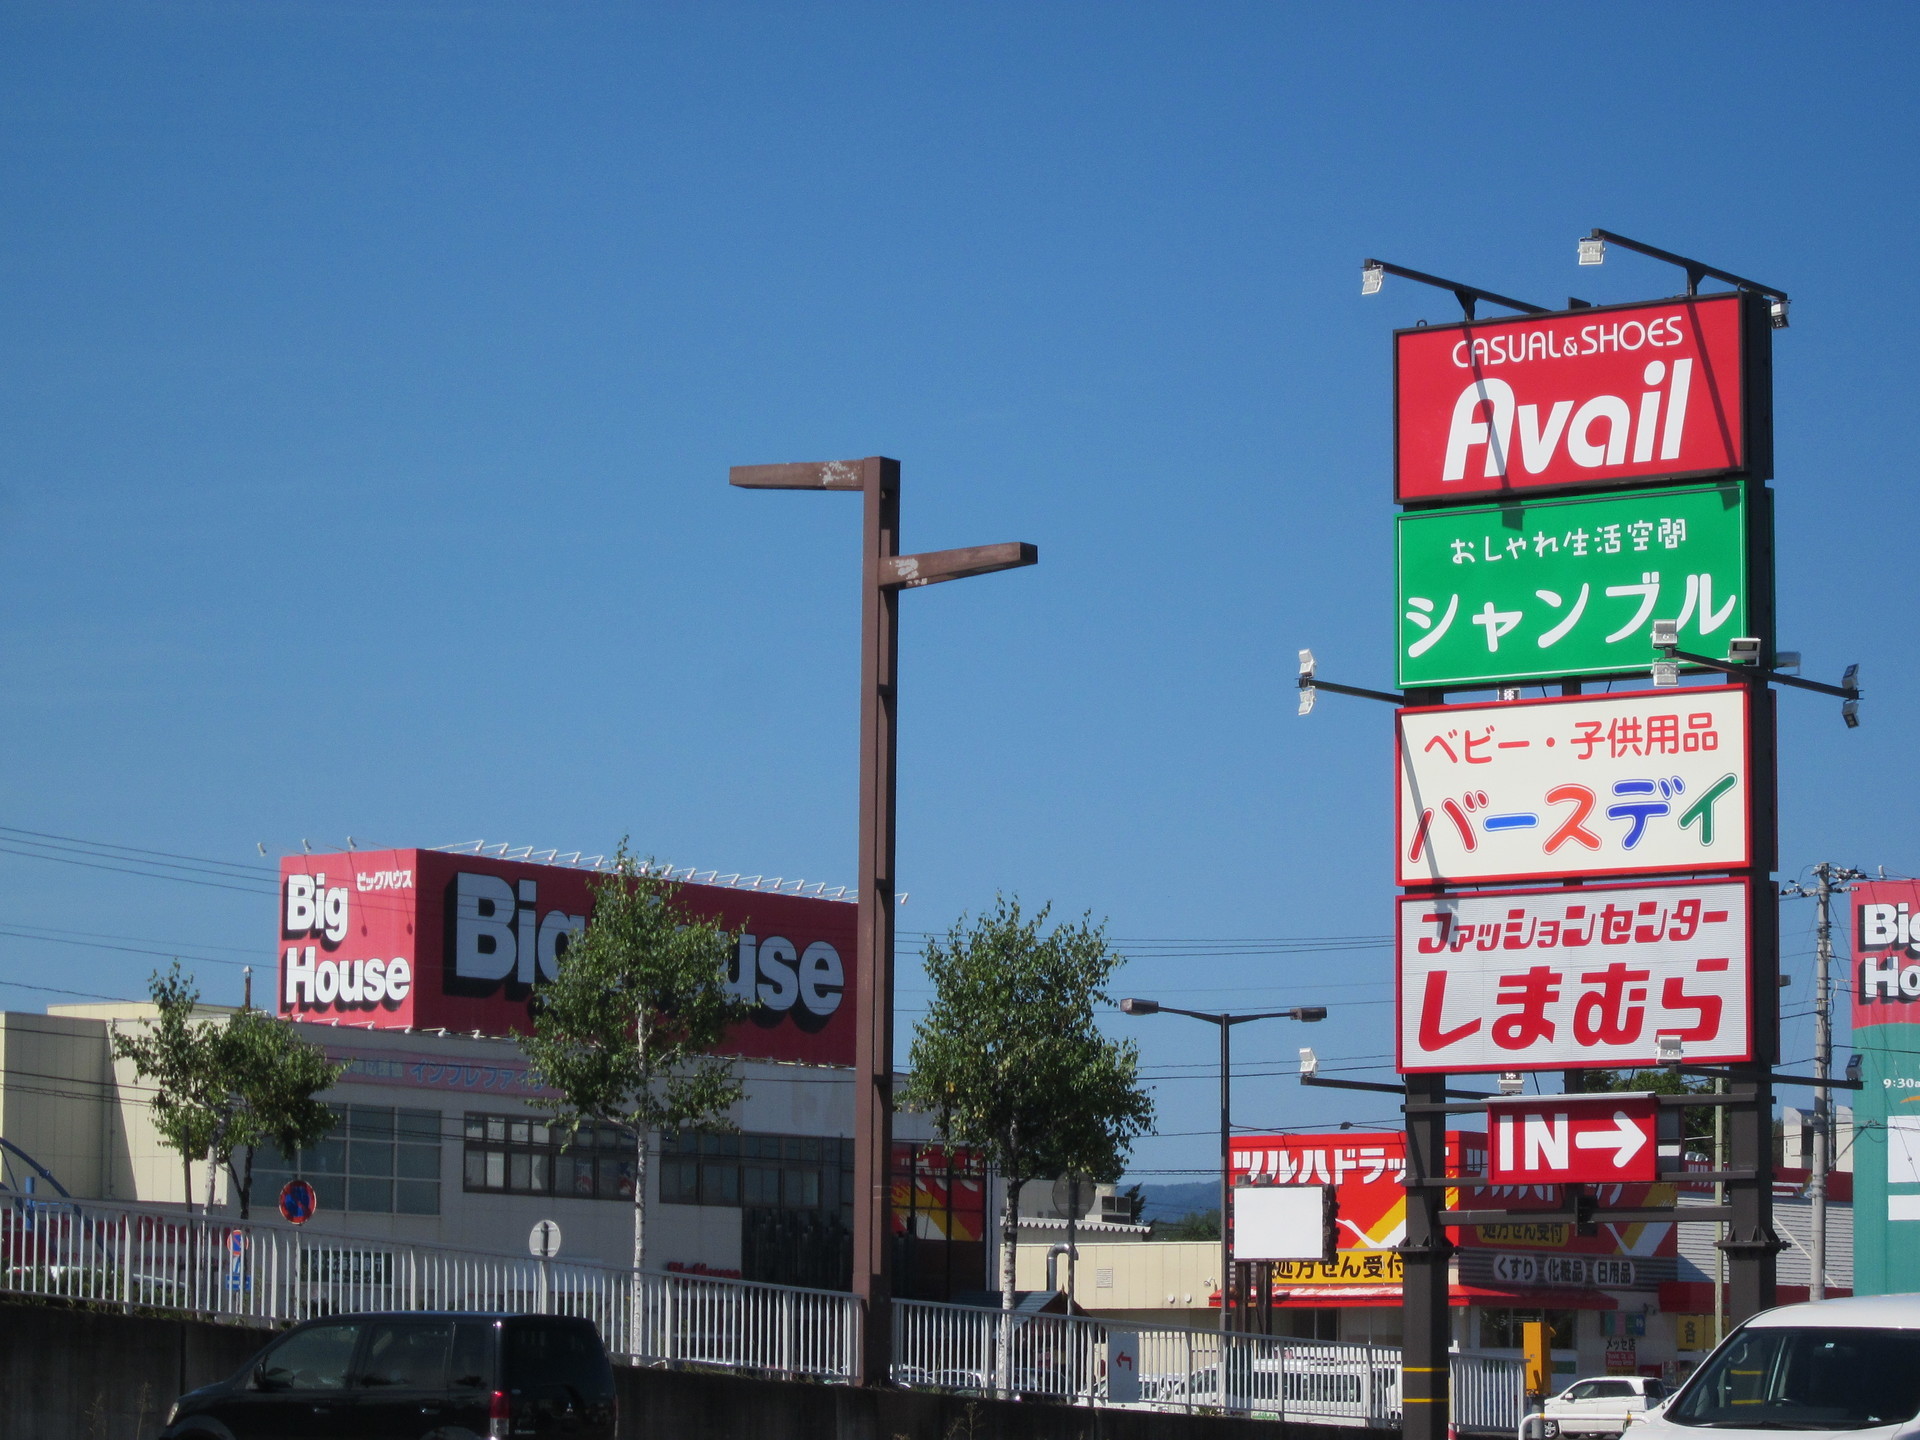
(1752, 1245)
(873, 962)
(1426, 1254)
(884, 573)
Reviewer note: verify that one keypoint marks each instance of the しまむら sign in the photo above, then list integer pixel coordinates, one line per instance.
(1604, 785)
(1573, 978)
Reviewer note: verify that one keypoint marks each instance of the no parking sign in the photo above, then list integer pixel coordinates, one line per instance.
(297, 1202)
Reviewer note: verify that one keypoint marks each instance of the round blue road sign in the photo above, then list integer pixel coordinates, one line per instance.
(298, 1202)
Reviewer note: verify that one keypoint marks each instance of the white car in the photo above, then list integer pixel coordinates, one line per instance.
(1834, 1367)
(1604, 1406)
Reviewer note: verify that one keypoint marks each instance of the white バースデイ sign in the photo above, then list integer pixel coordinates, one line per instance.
(1583, 785)
(1566, 979)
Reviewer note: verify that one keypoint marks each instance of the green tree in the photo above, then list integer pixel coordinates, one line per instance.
(624, 1028)
(1199, 1225)
(224, 1087)
(269, 1079)
(1011, 1063)
(173, 1053)
(1698, 1122)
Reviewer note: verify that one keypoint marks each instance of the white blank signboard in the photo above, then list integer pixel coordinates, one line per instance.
(1279, 1222)
(1903, 1150)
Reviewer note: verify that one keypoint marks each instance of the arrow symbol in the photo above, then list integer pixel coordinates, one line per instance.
(1625, 1139)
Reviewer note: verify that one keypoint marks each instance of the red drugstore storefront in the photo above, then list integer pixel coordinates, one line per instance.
(1599, 1293)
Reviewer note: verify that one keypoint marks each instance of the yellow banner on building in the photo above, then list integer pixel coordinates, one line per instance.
(1354, 1267)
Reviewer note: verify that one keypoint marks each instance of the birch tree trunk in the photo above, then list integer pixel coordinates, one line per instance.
(639, 1207)
(213, 1174)
(1009, 1239)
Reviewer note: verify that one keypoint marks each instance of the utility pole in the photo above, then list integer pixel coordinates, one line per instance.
(1719, 1226)
(1828, 878)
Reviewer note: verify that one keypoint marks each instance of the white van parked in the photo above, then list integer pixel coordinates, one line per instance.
(1603, 1406)
(1833, 1367)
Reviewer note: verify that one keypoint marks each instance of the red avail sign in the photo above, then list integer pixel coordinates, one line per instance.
(1606, 396)
(1573, 1139)
(423, 939)
(1575, 978)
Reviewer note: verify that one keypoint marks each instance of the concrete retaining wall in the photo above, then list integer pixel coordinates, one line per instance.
(70, 1373)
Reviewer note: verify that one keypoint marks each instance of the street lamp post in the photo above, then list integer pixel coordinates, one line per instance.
(885, 572)
(1226, 1023)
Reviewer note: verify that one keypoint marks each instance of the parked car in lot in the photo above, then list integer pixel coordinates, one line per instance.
(1604, 1406)
(1833, 1369)
(413, 1376)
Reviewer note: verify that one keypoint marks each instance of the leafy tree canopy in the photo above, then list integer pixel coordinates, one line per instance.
(1009, 1059)
(222, 1088)
(1698, 1123)
(1200, 1225)
(624, 1029)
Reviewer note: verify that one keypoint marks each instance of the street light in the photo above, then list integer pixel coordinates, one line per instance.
(885, 572)
(1307, 1013)
(1593, 251)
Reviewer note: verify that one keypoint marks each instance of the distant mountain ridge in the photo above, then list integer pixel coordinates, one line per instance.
(1175, 1202)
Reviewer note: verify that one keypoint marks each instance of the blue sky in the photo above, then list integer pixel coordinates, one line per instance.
(370, 373)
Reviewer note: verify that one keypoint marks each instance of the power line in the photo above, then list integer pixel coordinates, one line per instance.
(146, 874)
(140, 939)
(124, 949)
(247, 868)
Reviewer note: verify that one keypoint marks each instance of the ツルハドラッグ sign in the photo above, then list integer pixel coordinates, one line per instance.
(1571, 978)
(1550, 588)
(1611, 396)
(1624, 784)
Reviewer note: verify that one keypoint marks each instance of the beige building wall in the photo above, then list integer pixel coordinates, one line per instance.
(134, 1165)
(1170, 1283)
(55, 1097)
(1163, 1282)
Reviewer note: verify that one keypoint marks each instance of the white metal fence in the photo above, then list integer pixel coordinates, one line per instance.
(1064, 1358)
(267, 1273)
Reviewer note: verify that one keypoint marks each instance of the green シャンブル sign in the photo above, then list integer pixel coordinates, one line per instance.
(1503, 594)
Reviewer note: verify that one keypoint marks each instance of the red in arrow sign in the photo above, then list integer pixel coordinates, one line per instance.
(1573, 1139)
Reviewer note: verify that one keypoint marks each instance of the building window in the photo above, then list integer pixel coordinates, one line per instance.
(526, 1155)
(757, 1172)
(377, 1160)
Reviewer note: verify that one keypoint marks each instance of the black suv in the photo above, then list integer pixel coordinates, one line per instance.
(413, 1376)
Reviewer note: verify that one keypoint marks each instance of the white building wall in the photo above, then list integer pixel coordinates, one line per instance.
(1793, 1221)
(96, 1131)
